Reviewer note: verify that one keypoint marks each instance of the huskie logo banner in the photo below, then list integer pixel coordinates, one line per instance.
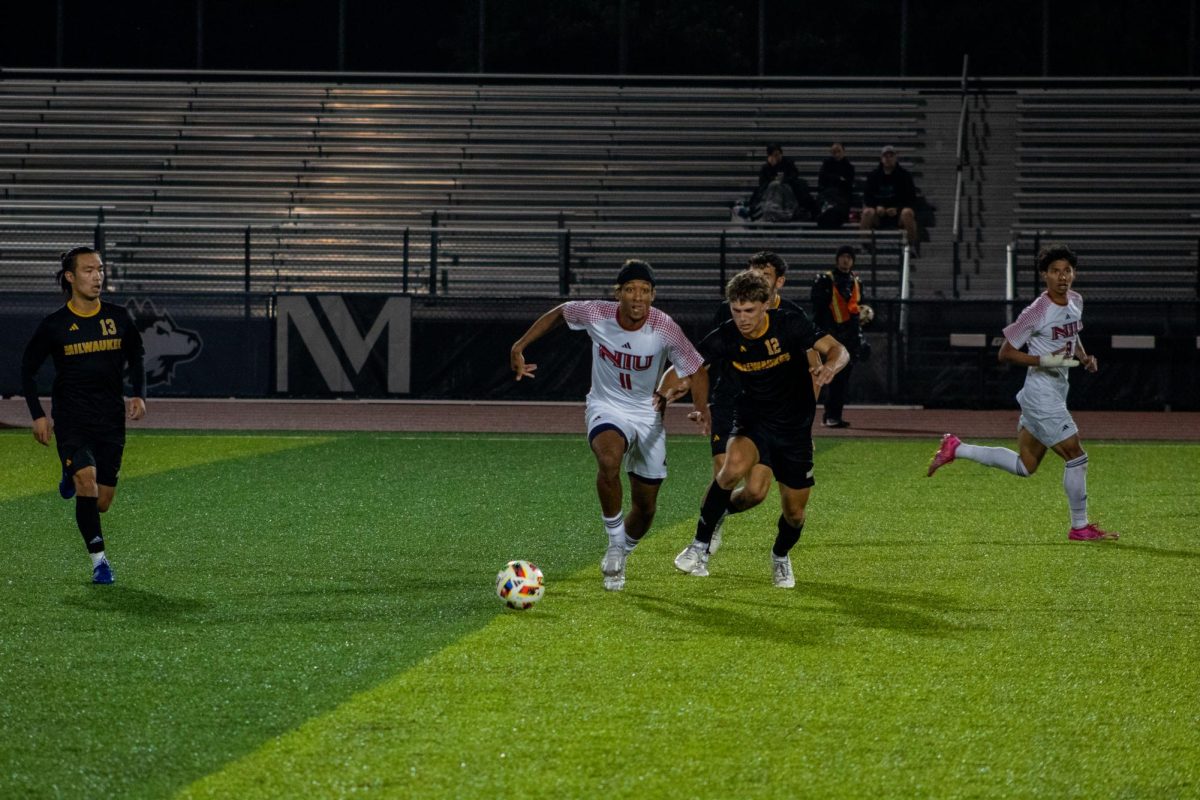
(167, 345)
(341, 348)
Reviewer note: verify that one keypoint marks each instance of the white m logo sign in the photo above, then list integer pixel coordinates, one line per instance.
(297, 310)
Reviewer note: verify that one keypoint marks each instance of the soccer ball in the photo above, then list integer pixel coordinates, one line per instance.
(520, 584)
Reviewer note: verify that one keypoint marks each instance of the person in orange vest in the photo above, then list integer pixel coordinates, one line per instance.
(836, 303)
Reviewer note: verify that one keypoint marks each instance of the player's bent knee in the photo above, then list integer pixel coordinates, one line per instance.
(753, 495)
(85, 482)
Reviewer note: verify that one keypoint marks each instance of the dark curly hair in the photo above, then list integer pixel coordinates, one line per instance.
(1056, 252)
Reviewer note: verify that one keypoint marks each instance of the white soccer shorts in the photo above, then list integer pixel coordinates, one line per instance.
(1048, 425)
(646, 451)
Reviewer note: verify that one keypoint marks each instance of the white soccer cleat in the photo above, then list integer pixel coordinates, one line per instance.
(693, 560)
(782, 572)
(613, 567)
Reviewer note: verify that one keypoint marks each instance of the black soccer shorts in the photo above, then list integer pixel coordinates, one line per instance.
(788, 454)
(77, 451)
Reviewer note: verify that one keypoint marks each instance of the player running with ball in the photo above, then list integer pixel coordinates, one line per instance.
(1049, 329)
(624, 423)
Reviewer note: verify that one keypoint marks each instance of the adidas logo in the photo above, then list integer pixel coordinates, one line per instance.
(741, 348)
(73, 327)
(626, 346)
(97, 540)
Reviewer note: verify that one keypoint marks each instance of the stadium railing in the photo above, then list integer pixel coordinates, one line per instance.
(1116, 263)
(448, 260)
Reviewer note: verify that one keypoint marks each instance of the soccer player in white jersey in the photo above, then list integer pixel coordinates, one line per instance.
(1049, 330)
(624, 423)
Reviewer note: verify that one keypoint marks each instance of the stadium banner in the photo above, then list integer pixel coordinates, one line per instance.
(195, 345)
(340, 345)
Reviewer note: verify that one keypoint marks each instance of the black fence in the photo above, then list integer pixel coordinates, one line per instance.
(930, 353)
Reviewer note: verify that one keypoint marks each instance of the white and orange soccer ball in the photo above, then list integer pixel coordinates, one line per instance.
(520, 584)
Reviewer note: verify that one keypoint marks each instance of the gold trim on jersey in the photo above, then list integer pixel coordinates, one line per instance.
(79, 313)
(766, 325)
(759, 366)
(95, 346)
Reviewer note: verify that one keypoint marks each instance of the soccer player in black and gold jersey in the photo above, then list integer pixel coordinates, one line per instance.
(91, 343)
(773, 412)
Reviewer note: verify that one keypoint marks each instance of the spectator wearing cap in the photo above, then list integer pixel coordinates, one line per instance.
(836, 298)
(889, 197)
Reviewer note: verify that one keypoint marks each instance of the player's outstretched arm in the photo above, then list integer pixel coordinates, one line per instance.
(835, 358)
(671, 387)
(541, 326)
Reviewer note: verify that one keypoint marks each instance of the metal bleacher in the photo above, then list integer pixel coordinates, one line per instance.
(338, 183)
(1116, 174)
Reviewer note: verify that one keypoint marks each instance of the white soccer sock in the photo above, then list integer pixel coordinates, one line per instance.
(615, 528)
(998, 457)
(96, 558)
(630, 543)
(1075, 485)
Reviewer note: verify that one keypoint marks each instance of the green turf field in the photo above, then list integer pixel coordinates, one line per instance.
(312, 616)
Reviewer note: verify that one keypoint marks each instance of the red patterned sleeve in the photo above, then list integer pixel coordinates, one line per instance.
(681, 351)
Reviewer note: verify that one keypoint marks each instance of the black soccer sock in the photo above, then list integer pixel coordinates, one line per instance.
(711, 511)
(87, 516)
(786, 539)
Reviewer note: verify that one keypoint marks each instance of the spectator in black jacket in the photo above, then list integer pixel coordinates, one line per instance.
(780, 169)
(890, 197)
(836, 306)
(835, 188)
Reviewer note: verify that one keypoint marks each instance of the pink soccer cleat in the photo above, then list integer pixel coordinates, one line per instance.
(944, 454)
(1090, 532)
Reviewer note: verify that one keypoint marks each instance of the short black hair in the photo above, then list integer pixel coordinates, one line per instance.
(66, 263)
(767, 258)
(1056, 252)
(748, 286)
(774, 147)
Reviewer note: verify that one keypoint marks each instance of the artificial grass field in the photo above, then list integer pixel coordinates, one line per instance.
(313, 616)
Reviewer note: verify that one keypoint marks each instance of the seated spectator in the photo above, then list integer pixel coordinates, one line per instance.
(890, 197)
(782, 195)
(835, 188)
